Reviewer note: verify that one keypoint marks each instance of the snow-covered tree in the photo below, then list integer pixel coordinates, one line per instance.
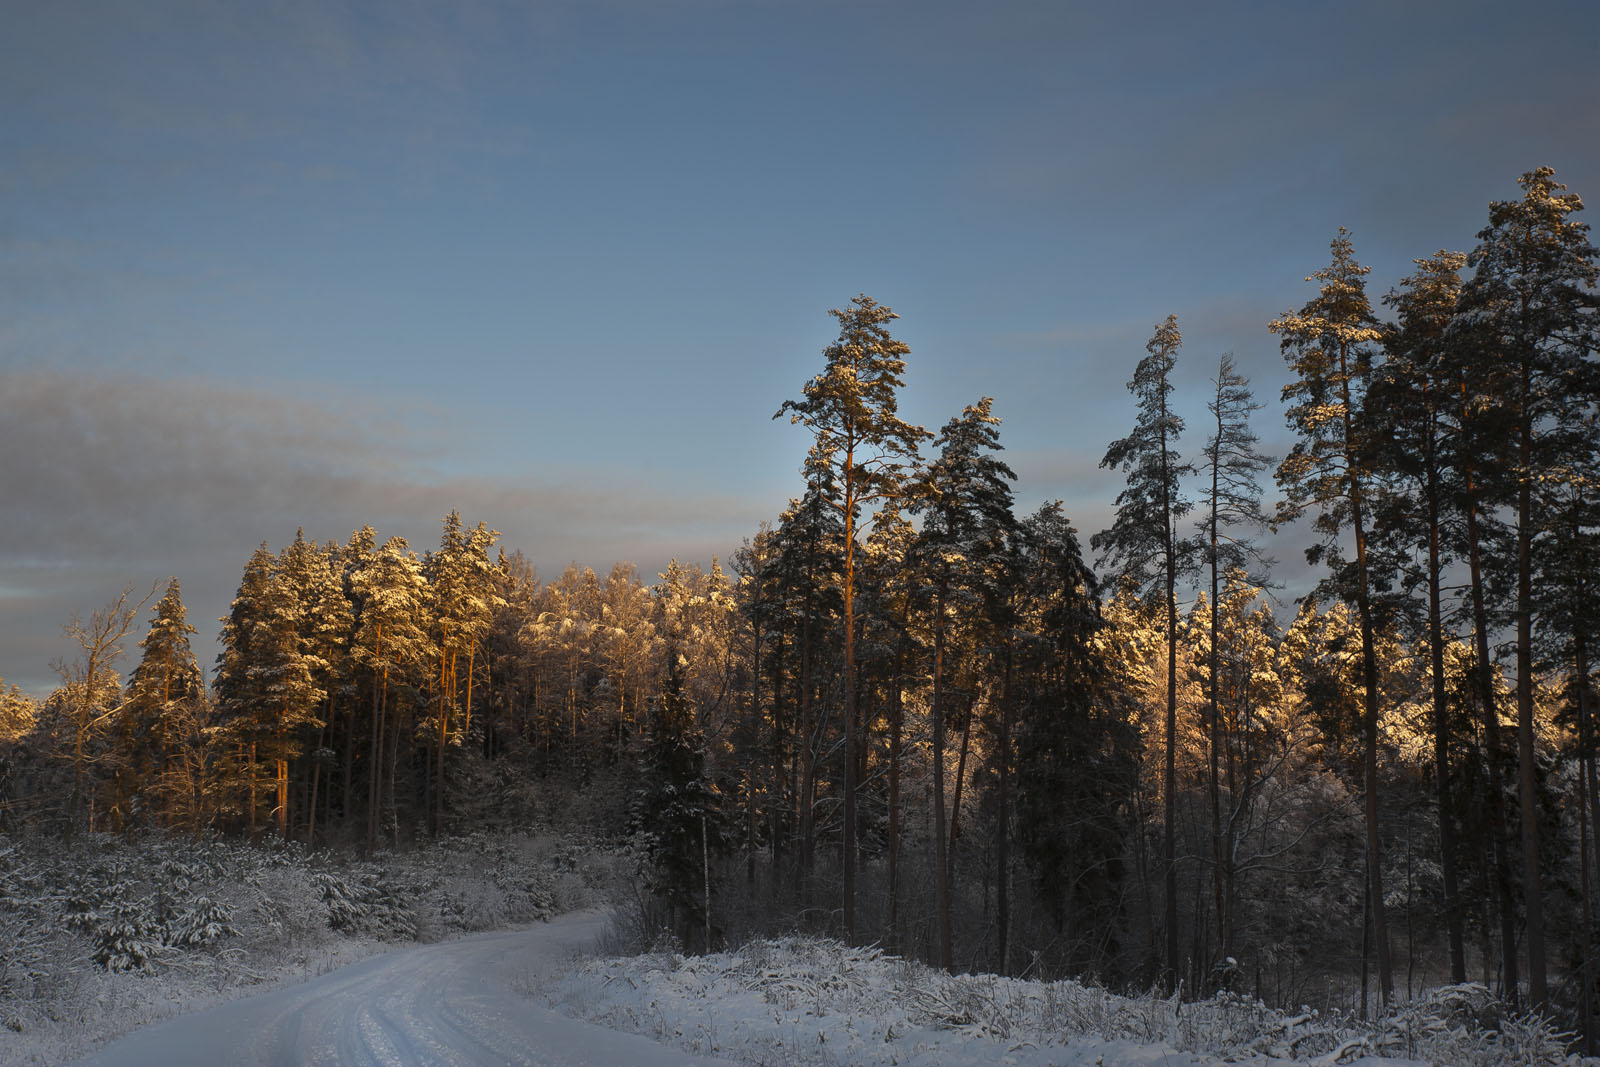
(159, 717)
(392, 643)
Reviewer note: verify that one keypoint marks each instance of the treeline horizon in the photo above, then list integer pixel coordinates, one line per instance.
(910, 713)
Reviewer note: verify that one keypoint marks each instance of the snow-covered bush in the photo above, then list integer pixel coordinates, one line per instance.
(365, 904)
(813, 1001)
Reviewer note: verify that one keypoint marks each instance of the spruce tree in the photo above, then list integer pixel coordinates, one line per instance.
(162, 693)
(678, 809)
(239, 682)
(1077, 747)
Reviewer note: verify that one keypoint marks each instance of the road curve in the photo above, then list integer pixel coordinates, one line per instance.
(455, 1003)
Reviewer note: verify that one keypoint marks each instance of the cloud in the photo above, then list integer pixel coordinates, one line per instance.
(112, 480)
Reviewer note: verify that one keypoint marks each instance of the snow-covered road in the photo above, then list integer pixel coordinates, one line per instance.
(460, 1002)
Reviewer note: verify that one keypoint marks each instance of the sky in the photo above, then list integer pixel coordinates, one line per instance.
(555, 265)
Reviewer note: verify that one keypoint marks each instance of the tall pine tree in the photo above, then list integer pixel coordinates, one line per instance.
(1143, 546)
(852, 409)
(1328, 345)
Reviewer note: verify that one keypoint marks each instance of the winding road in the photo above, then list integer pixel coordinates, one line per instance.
(461, 1002)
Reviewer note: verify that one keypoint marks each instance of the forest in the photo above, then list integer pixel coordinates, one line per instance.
(908, 712)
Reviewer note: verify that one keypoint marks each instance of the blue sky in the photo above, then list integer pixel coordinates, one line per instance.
(556, 265)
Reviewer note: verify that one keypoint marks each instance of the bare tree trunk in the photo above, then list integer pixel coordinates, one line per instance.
(1003, 827)
(1532, 891)
(941, 853)
(1491, 736)
(851, 742)
(1454, 920)
(896, 714)
(961, 776)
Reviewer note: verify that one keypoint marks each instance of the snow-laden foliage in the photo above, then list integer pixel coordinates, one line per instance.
(812, 1001)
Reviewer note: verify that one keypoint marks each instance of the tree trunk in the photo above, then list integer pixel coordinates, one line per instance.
(1218, 887)
(1491, 736)
(1532, 884)
(1003, 826)
(1369, 677)
(961, 776)
(941, 850)
(896, 713)
(850, 740)
(1454, 920)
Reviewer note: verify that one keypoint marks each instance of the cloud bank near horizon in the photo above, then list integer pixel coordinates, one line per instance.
(128, 480)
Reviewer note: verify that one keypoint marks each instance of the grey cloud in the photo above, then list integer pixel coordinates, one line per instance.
(117, 480)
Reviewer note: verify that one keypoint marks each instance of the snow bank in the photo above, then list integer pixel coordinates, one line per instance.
(810, 1001)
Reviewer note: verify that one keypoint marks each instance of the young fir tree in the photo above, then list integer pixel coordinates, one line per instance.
(1232, 508)
(1143, 545)
(1532, 308)
(852, 409)
(1328, 345)
(162, 692)
(679, 808)
(239, 682)
(1077, 745)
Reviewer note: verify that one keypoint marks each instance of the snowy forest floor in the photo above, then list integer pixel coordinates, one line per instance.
(806, 1001)
(103, 936)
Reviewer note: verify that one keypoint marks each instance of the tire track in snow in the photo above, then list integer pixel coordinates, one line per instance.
(457, 1003)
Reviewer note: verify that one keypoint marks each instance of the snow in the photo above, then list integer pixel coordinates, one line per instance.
(461, 1002)
(289, 928)
(806, 1001)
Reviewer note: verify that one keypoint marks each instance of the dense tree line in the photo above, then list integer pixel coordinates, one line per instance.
(910, 712)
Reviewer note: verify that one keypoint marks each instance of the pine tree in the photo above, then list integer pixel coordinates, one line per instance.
(292, 668)
(1410, 400)
(1143, 545)
(889, 590)
(1531, 306)
(852, 408)
(1233, 500)
(391, 642)
(1328, 346)
(461, 582)
(965, 498)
